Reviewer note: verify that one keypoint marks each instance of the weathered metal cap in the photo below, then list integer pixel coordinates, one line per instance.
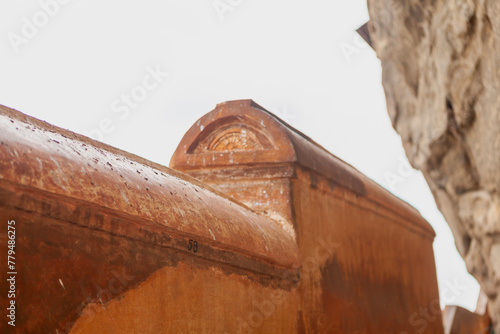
(167, 207)
(241, 133)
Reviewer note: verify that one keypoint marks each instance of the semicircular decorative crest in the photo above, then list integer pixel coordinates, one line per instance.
(233, 137)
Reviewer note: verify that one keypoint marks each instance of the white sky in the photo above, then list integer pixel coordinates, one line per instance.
(285, 55)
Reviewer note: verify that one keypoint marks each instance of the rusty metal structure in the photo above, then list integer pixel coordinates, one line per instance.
(254, 229)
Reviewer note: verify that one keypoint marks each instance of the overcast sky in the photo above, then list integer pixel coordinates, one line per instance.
(138, 74)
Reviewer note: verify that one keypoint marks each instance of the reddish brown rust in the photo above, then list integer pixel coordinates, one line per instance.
(201, 152)
(367, 257)
(94, 223)
(36, 157)
(106, 238)
(462, 321)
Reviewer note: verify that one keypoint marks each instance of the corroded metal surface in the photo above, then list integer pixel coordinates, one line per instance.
(102, 232)
(367, 257)
(111, 243)
(200, 153)
(461, 321)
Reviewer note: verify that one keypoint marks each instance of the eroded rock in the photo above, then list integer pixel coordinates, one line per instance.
(441, 75)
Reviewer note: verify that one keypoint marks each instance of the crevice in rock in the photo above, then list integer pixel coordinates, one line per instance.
(452, 122)
(470, 30)
(451, 131)
(466, 242)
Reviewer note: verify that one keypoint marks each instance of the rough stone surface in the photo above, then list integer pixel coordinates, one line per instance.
(441, 75)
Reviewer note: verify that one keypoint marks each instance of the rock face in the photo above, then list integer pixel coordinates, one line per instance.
(441, 75)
